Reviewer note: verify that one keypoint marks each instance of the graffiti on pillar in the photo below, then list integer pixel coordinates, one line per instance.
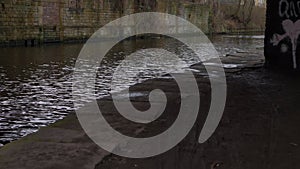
(289, 9)
(291, 29)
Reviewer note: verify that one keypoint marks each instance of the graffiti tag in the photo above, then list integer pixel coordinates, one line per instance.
(291, 29)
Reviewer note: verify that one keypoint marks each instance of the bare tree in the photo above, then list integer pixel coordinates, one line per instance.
(243, 13)
(247, 11)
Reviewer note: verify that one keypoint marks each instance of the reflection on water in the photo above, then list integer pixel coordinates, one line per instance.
(144, 64)
(34, 88)
(228, 44)
(35, 83)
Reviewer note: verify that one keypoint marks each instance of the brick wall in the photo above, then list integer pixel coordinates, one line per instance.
(38, 21)
(19, 20)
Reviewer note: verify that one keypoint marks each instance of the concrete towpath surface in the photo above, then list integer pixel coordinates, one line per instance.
(259, 128)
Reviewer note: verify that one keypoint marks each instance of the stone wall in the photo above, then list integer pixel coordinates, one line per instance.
(19, 20)
(31, 22)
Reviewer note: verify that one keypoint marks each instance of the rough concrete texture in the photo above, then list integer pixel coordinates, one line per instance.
(62, 145)
(258, 129)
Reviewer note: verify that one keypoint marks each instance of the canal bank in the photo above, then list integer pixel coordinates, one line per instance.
(258, 128)
(36, 90)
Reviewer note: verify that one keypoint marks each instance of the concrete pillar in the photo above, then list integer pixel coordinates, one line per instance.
(282, 47)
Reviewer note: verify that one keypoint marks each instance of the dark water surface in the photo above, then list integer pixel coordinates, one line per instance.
(35, 82)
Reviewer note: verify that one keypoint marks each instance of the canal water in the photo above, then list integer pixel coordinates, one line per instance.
(35, 82)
